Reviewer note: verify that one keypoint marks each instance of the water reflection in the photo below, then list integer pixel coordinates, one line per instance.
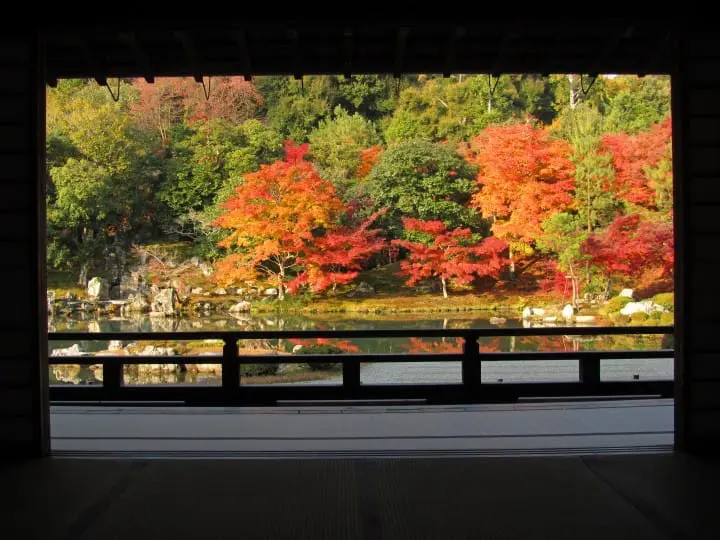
(174, 372)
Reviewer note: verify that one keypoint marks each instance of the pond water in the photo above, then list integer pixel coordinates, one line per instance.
(376, 373)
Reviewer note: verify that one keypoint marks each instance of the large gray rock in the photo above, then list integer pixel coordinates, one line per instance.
(627, 293)
(240, 307)
(365, 289)
(165, 302)
(272, 291)
(206, 269)
(137, 303)
(220, 292)
(98, 289)
(637, 307)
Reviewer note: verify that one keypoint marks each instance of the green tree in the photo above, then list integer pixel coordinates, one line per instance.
(564, 237)
(101, 179)
(636, 103)
(426, 181)
(337, 144)
(594, 172)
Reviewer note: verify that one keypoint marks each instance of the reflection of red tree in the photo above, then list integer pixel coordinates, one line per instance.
(420, 346)
(342, 344)
(490, 344)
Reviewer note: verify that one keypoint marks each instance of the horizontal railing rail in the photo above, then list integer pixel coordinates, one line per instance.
(471, 389)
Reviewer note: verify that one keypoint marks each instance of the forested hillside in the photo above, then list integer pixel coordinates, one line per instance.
(460, 183)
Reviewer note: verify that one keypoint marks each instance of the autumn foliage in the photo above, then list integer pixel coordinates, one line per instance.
(524, 177)
(283, 222)
(448, 255)
(636, 158)
(631, 246)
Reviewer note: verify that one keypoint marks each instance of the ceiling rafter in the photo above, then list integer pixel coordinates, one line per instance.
(347, 52)
(509, 37)
(244, 53)
(400, 45)
(451, 55)
(142, 59)
(191, 53)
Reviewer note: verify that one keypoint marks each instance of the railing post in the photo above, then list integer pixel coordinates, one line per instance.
(112, 374)
(590, 369)
(471, 367)
(230, 369)
(351, 376)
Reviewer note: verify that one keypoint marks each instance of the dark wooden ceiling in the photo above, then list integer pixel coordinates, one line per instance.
(322, 46)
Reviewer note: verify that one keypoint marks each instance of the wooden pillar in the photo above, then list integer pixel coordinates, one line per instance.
(23, 321)
(696, 148)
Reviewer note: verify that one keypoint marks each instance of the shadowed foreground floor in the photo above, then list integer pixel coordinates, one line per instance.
(603, 497)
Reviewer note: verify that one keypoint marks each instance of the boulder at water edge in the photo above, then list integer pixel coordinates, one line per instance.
(165, 302)
(98, 289)
(240, 307)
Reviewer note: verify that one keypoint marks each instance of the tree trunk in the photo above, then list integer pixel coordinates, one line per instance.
(281, 291)
(574, 94)
(444, 287)
(83, 275)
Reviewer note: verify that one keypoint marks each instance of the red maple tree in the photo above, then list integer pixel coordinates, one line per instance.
(162, 104)
(643, 165)
(448, 254)
(631, 246)
(336, 257)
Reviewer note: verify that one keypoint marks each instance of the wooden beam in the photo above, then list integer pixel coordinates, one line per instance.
(451, 55)
(244, 53)
(131, 40)
(400, 44)
(347, 52)
(294, 36)
(654, 59)
(504, 49)
(191, 54)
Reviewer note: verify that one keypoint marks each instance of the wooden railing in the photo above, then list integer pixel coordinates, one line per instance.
(231, 391)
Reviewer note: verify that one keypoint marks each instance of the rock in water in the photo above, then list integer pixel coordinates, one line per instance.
(98, 289)
(240, 307)
(165, 302)
(137, 303)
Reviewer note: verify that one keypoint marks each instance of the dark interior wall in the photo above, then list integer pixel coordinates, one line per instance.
(23, 366)
(696, 114)
(23, 334)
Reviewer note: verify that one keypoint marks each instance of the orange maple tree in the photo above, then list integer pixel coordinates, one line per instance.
(448, 254)
(643, 165)
(271, 218)
(524, 177)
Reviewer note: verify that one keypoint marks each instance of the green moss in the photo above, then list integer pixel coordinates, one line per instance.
(667, 319)
(614, 305)
(666, 300)
(639, 317)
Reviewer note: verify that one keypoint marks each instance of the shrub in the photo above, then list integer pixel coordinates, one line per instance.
(667, 319)
(639, 317)
(618, 319)
(255, 370)
(666, 300)
(615, 304)
(320, 349)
